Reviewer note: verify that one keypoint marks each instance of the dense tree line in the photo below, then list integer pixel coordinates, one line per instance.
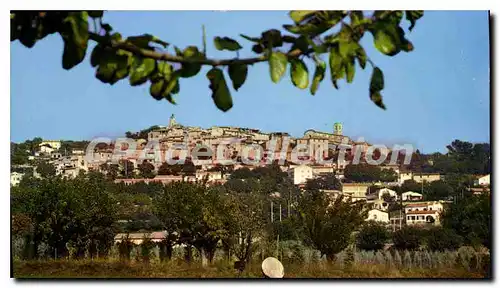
(368, 173)
(82, 214)
(462, 158)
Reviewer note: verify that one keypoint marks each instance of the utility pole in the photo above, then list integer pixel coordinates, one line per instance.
(280, 212)
(272, 218)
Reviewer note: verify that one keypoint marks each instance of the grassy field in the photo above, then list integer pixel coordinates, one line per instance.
(115, 269)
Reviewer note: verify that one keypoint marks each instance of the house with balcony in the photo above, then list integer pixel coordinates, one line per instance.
(423, 213)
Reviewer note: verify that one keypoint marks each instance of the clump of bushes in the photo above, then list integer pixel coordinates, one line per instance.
(372, 236)
(407, 238)
(441, 239)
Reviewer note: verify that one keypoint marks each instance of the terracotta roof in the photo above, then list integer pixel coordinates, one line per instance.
(421, 212)
(356, 184)
(418, 205)
(425, 174)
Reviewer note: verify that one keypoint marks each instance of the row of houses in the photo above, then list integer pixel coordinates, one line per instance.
(212, 177)
(415, 213)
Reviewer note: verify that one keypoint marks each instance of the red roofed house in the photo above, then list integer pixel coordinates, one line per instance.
(423, 213)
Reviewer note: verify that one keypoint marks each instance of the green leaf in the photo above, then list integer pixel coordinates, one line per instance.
(105, 72)
(142, 41)
(377, 80)
(107, 27)
(116, 36)
(319, 74)
(347, 48)
(171, 87)
(299, 73)
(356, 17)
(191, 69)
(172, 82)
(252, 39)
(156, 89)
(350, 69)
(406, 45)
(301, 15)
(122, 67)
(300, 43)
(376, 97)
(238, 74)
(258, 48)
(361, 56)
(112, 66)
(393, 16)
(336, 65)
(277, 66)
(308, 29)
(178, 51)
(176, 88)
(141, 70)
(163, 71)
(96, 14)
(96, 55)
(75, 36)
(387, 39)
(323, 21)
(226, 43)
(413, 16)
(272, 38)
(220, 92)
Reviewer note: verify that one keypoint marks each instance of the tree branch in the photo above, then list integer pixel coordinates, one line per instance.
(124, 45)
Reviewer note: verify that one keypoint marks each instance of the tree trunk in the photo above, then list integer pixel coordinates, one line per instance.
(169, 251)
(211, 255)
(61, 251)
(28, 248)
(161, 251)
(203, 255)
(331, 258)
(188, 255)
(80, 252)
(227, 250)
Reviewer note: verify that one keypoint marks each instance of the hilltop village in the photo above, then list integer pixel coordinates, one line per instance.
(141, 165)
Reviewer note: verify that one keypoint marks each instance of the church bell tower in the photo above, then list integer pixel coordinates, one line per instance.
(171, 122)
(337, 128)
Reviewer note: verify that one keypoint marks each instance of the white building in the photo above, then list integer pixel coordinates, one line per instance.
(378, 215)
(357, 191)
(379, 204)
(484, 181)
(48, 146)
(427, 177)
(15, 178)
(405, 176)
(419, 177)
(209, 175)
(301, 174)
(423, 213)
(384, 191)
(411, 196)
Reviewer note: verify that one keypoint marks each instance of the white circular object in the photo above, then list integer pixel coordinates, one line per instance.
(272, 268)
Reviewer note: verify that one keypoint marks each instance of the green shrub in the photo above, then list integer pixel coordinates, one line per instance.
(440, 239)
(372, 236)
(408, 238)
(125, 248)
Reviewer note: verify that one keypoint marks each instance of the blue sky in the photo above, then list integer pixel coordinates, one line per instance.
(435, 94)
